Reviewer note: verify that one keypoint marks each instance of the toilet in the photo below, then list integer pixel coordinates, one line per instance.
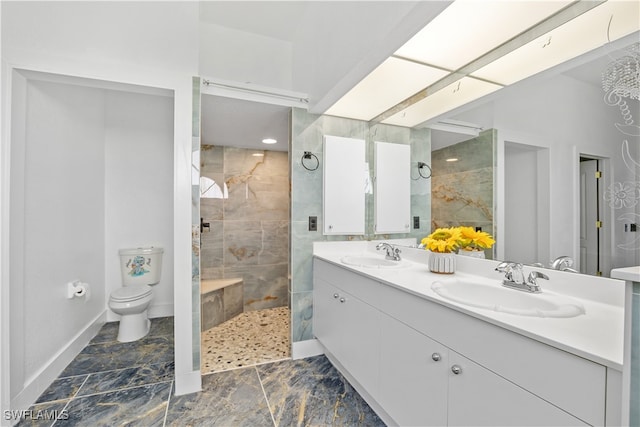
(141, 269)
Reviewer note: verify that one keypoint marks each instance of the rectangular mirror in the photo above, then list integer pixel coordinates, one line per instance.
(392, 193)
(343, 185)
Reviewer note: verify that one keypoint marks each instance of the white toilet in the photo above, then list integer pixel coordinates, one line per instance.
(141, 268)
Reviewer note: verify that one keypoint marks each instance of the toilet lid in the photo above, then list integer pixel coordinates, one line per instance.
(129, 293)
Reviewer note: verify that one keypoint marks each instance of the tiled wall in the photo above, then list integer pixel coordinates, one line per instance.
(306, 197)
(462, 191)
(248, 236)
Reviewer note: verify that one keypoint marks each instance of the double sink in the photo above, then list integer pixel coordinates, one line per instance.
(489, 296)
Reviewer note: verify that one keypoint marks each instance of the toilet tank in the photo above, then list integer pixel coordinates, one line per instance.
(141, 266)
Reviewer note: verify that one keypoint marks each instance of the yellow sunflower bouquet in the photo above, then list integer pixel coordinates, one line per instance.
(443, 240)
(472, 240)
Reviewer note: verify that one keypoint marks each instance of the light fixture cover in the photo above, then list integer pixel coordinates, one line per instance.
(269, 141)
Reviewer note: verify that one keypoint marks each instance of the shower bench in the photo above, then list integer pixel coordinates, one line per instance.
(220, 300)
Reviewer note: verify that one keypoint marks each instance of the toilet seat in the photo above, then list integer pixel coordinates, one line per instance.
(130, 293)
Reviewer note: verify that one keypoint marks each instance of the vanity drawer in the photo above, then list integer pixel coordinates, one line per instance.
(363, 287)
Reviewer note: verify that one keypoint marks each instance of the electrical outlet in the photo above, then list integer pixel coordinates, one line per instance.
(478, 228)
(632, 228)
(313, 223)
(416, 222)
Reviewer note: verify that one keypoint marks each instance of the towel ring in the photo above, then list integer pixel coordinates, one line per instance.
(424, 165)
(308, 155)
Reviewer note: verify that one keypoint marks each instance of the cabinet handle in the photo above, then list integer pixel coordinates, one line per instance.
(336, 295)
(342, 299)
(456, 369)
(436, 357)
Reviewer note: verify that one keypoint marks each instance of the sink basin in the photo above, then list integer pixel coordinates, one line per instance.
(501, 299)
(370, 261)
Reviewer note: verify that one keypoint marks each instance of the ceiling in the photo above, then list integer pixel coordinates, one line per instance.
(244, 123)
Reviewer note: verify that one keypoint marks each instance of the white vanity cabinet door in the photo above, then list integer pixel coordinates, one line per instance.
(349, 329)
(413, 376)
(480, 397)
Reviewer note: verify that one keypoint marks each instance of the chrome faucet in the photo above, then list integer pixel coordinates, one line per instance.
(563, 263)
(392, 252)
(514, 277)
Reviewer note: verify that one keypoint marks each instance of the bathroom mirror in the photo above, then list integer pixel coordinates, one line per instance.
(553, 122)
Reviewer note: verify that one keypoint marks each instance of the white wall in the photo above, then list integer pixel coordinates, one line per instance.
(139, 187)
(151, 44)
(62, 232)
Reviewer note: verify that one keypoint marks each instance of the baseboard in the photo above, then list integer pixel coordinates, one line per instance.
(39, 382)
(307, 348)
(186, 383)
(161, 310)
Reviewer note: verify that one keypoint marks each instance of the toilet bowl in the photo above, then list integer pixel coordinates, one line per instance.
(141, 269)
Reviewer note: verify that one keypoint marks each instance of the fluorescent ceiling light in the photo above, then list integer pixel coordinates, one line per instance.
(453, 96)
(452, 159)
(392, 82)
(269, 141)
(566, 42)
(467, 29)
(474, 48)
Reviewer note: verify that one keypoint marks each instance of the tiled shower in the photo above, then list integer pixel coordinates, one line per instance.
(244, 255)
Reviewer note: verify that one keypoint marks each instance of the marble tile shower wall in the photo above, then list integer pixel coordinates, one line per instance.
(462, 191)
(249, 230)
(307, 134)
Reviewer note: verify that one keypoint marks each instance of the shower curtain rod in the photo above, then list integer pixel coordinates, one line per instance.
(293, 98)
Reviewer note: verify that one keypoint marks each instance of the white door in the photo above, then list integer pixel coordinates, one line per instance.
(589, 230)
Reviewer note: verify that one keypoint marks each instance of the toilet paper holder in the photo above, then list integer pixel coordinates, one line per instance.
(76, 289)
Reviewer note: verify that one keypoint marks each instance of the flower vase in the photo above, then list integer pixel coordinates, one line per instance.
(474, 253)
(442, 262)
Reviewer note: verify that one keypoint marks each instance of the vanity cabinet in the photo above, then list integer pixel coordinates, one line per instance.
(422, 382)
(420, 363)
(351, 329)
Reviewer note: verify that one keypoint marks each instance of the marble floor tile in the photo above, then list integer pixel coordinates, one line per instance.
(62, 388)
(127, 378)
(130, 384)
(251, 338)
(116, 355)
(161, 326)
(144, 406)
(43, 414)
(312, 392)
(108, 333)
(231, 398)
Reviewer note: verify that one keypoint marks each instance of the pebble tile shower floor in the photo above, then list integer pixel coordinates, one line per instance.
(251, 338)
(111, 383)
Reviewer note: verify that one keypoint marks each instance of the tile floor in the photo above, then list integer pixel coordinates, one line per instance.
(111, 383)
(251, 338)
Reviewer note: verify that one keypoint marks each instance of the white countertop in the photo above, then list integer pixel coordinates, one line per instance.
(597, 335)
(631, 274)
